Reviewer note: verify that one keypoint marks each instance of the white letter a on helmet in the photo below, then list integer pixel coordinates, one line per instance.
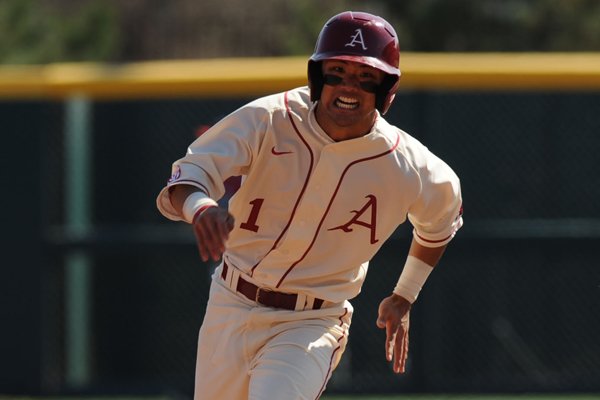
(357, 38)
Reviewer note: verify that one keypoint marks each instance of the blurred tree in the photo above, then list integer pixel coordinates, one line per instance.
(155, 29)
(305, 20)
(26, 36)
(92, 34)
(32, 34)
(491, 25)
(38, 31)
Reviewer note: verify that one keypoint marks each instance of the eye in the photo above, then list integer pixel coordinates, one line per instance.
(368, 75)
(336, 68)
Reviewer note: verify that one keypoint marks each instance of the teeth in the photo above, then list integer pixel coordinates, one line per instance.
(347, 103)
(348, 100)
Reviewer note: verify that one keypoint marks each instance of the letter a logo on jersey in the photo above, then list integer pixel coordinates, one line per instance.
(357, 38)
(372, 224)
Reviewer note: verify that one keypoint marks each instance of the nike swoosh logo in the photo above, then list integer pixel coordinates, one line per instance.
(279, 153)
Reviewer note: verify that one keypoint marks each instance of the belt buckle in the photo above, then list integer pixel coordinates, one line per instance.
(257, 297)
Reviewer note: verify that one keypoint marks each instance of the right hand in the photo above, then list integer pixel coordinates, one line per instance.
(212, 229)
(394, 317)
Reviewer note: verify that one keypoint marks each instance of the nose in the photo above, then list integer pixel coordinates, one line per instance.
(365, 86)
(350, 81)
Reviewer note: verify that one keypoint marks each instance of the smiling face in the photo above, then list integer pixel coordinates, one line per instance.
(346, 109)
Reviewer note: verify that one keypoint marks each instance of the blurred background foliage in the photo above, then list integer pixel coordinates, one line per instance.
(34, 31)
(44, 31)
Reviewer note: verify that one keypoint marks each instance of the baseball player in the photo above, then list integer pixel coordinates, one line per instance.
(325, 181)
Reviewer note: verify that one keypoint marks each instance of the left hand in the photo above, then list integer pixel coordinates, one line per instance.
(212, 229)
(394, 317)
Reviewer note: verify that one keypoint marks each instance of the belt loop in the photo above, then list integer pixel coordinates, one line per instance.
(232, 276)
(300, 302)
(309, 303)
(235, 277)
(228, 275)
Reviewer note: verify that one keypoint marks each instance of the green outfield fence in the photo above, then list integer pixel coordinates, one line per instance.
(101, 296)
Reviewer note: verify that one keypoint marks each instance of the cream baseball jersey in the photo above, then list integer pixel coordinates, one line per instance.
(310, 212)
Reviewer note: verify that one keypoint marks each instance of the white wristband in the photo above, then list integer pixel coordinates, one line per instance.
(412, 279)
(197, 201)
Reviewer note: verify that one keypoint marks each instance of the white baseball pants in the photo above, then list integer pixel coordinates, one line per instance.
(249, 351)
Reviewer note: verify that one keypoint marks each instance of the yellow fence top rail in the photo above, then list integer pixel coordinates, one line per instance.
(248, 77)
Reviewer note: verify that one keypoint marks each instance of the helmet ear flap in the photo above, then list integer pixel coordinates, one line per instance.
(315, 79)
(386, 93)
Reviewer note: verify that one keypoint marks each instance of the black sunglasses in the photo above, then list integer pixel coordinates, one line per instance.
(334, 80)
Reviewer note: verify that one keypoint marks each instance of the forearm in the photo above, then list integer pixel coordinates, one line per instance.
(189, 201)
(179, 193)
(429, 255)
(419, 264)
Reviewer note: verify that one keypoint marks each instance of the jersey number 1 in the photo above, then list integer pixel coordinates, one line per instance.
(251, 223)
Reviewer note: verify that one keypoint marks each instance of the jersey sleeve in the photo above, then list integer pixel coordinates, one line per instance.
(436, 215)
(227, 149)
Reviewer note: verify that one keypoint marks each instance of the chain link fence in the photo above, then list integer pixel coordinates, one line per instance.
(513, 306)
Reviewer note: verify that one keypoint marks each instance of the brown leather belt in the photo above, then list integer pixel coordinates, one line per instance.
(267, 297)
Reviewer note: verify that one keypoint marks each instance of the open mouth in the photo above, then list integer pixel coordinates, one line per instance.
(346, 103)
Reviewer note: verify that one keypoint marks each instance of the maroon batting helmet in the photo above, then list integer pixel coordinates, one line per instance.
(360, 37)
